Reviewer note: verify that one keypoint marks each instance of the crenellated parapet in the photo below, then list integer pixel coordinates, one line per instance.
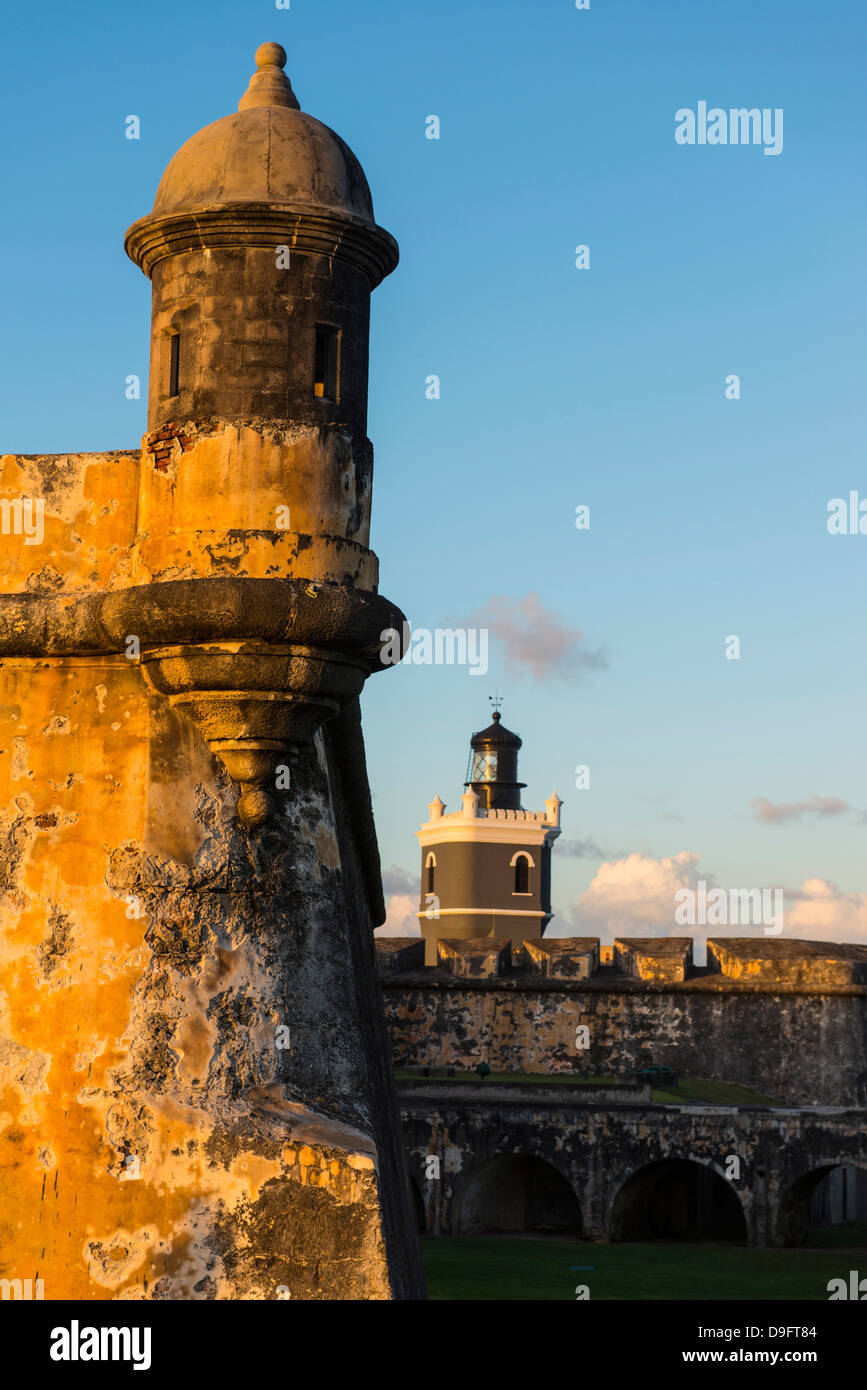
(744, 963)
(785, 1018)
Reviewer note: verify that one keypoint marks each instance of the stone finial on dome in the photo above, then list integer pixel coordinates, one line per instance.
(269, 85)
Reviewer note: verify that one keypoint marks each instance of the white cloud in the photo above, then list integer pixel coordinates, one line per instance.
(400, 918)
(397, 880)
(820, 912)
(635, 896)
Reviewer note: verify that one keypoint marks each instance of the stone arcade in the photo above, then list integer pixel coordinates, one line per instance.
(782, 1023)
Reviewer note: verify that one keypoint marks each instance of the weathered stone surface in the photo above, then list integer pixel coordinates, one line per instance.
(150, 956)
(598, 1149)
(196, 1097)
(394, 954)
(663, 958)
(805, 1044)
(235, 199)
(561, 958)
(811, 964)
(88, 504)
(294, 500)
(482, 956)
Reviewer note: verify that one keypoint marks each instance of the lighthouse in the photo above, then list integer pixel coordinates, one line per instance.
(486, 868)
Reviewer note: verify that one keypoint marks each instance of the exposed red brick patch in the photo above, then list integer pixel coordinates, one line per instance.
(160, 442)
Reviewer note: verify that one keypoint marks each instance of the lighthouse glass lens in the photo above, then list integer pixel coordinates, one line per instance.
(485, 767)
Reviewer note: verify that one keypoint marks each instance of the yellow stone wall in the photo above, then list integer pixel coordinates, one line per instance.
(112, 1189)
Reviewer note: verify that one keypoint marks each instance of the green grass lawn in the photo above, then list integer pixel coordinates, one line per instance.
(710, 1093)
(686, 1092)
(515, 1077)
(512, 1267)
(846, 1235)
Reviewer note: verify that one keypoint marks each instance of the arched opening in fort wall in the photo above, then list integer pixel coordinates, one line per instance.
(515, 1192)
(677, 1199)
(826, 1196)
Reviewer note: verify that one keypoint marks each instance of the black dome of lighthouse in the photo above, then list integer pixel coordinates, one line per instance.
(496, 736)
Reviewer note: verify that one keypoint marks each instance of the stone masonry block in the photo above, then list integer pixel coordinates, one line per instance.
(475, 958)
(562, 958)
(663, 958)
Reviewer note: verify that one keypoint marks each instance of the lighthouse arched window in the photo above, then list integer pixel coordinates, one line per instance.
(521, 864)
(430, 866)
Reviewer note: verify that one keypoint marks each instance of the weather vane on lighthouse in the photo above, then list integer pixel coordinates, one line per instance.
(496, 700)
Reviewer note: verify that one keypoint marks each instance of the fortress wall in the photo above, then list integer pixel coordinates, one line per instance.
(191, 1104)
(87, 503)
(790, 1042)
(146, 1143)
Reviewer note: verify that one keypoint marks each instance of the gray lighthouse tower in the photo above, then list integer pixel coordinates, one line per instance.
(486, 869)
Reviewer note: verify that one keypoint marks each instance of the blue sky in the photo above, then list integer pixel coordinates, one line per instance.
(558, 386)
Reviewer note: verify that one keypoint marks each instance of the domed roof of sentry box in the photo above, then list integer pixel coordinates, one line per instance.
(269, 151)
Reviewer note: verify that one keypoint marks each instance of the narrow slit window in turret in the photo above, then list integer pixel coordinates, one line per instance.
(325, 362)
(174, 362)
